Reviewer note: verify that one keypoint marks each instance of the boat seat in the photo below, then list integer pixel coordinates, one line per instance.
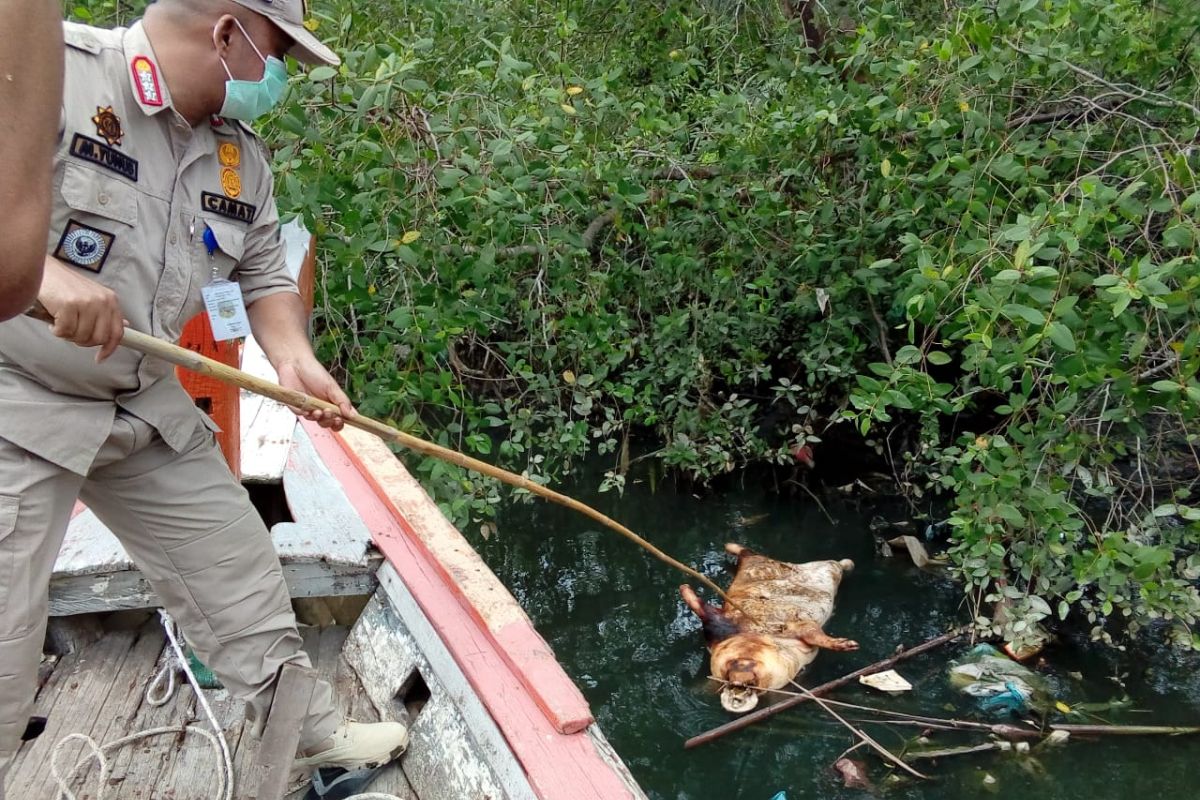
(326, 551)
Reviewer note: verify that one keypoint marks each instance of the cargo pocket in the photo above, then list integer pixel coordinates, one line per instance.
(102, 213)
(8, 523)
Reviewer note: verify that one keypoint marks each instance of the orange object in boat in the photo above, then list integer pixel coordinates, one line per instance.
(219, 400)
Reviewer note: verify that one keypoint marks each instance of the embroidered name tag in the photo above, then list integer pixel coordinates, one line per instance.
(84, 246)
(228, 207)
(102, 155)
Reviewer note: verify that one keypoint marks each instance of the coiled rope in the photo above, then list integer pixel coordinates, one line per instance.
(165, 680)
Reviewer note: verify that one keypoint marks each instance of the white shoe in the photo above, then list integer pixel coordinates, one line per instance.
(358, 744)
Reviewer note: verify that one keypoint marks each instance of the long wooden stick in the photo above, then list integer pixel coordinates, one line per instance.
(182, 357)
(861, 734)
(825, 688)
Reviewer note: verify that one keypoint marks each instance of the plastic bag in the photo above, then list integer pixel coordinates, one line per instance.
(1003, 685)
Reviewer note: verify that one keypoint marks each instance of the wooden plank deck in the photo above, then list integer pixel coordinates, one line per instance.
(100, 691)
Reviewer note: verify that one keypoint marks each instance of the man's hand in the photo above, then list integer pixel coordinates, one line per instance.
(84, 312)
(308, 376)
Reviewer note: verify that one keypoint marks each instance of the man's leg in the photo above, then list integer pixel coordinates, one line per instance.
(192, 530)
(36, 498)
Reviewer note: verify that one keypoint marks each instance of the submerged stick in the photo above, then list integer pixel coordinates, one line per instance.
(182, 357)
(868, 740)
(825, 688)
(947, 752)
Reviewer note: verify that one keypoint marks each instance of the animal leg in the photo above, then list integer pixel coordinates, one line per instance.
(813, 635)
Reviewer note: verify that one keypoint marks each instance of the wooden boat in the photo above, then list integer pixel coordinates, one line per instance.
(412, 625)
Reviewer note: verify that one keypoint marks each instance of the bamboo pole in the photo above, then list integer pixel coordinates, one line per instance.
(182, 357)
(825, 688)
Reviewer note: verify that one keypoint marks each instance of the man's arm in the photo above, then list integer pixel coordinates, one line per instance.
(31, 76)
(280, 323)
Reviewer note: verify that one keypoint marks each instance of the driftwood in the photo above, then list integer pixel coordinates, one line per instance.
(861, 734)
(825, 688)
(946, 752)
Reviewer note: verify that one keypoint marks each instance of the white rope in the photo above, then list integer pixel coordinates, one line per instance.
(166, 673)
(98, 752)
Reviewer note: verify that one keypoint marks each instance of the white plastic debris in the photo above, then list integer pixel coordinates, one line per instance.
(887, 681)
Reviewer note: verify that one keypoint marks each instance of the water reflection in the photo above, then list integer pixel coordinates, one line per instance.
(615, 619)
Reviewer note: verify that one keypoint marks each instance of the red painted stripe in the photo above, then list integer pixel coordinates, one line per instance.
(478, 589)
(560, 766)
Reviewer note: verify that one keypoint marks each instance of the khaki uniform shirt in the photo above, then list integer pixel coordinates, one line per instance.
(136, 189)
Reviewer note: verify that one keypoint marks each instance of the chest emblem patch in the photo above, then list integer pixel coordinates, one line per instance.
(104, 156)
(108, 125)
(145, 76)
(225, 207)
(84, 246)
(229, 155)
(231, 182)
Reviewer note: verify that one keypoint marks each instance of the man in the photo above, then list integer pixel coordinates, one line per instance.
(31, 63)
(160, 195)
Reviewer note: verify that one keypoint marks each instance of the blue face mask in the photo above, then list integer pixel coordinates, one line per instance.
(248, 100)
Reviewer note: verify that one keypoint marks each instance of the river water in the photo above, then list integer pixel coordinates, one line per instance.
(614, 618)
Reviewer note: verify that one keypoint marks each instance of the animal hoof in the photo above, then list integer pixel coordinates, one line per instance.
(843, 645)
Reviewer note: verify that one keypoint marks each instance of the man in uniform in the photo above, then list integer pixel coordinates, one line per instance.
(31, 56)
(162, 193)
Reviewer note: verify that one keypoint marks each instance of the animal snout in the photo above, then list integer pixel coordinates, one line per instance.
(743, 671)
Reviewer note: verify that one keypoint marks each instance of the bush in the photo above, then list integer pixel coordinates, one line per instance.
(548, 229)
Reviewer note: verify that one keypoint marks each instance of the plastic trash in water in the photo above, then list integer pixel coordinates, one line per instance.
(1012, 700)
(1002, 684)
(780, 796)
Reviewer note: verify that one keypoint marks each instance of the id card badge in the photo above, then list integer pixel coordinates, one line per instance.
(226, 310)
(223, 300)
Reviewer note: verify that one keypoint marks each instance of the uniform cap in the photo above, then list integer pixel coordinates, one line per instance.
(288, 16)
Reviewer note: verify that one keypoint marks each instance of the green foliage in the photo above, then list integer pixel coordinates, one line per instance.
(546, 228)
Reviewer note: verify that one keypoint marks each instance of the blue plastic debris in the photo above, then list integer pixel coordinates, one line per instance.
(780, 796)
(999, 683)
(1011, 701)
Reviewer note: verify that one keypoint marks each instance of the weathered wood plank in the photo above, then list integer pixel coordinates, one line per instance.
(267, 425)
(128, 589)
(145, 765)
(327, 526)
(277, 750)
(89, 680)
(455, 749)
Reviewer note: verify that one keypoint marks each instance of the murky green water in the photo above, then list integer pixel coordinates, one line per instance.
(614, 617)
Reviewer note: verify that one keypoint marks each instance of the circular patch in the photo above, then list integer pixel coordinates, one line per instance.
(229, 155)
(231, 182)
(84, 247)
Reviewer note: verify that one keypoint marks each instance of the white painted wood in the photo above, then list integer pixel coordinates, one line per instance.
(267, 425)
(90, 548)
(456, 748)
(327, 527)
(326, 552)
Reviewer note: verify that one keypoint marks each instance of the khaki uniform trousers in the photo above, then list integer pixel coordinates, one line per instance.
(190, 528)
